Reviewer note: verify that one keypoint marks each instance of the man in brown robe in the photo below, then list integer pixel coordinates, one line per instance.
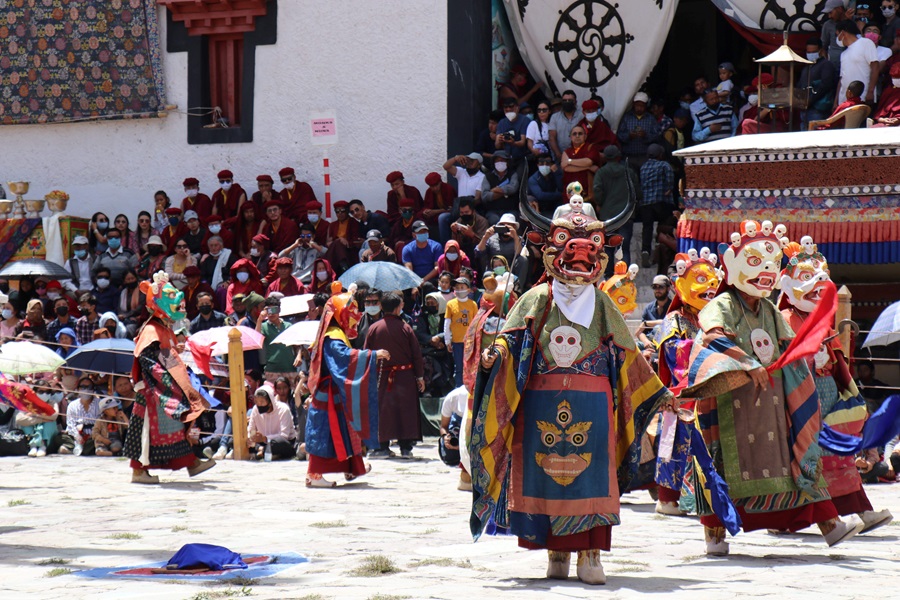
(227, 200)
(281, 232)
(401, 379)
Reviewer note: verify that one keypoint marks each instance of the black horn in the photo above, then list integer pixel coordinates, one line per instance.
(611, 225)
(537, 220)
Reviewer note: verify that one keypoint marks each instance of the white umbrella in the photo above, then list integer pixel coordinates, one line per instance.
(218, 337)
(886, 329)
(298, 334)
(294, 305)
(25, 358)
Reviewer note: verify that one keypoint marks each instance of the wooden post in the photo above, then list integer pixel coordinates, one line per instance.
(844, 312)
(238, 394)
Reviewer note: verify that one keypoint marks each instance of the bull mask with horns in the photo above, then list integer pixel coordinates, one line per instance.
(573, 244)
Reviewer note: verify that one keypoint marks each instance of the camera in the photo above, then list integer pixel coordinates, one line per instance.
(509, 135)
(500, 229)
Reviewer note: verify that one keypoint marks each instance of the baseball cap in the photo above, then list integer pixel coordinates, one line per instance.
(727, 66)
(641, 97)
(660, 280)
(373, 234)
(830, 5)
(419, 226)
(80, 239)
(191, 214)
(475, 156)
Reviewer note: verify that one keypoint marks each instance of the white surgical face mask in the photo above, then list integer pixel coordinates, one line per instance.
(812, 56)
(544, 169)
(510, 115)
(215, 229)
(103, 283)
(243, 276)
(191, 193)
(321, 275)
(888, 12)
(451, 256)
(839, 42)
(753, 99)
(591, 116)
(462, 294)
(313, 218)
(53, 295)
(289, 186)
(500, 166)
(226, 186)
(896, 82)
(254, 252)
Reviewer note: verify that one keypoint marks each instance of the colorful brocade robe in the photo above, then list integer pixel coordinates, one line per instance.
(553, 437)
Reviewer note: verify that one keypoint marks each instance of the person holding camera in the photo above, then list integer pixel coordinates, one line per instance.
(469, 228)
(452, 410)
(511, 132)
(500, 240)
(500, 189)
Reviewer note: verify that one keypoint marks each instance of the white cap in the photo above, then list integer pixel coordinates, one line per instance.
(80, 239)
(641, 97)
(509, 219)
(191, 214)
(108, 403)
(3, 298)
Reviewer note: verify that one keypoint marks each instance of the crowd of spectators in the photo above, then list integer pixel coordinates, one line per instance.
(237, 254)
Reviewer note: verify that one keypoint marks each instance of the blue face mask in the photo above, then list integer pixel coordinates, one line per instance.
(373, 310)
(114, 243)
(173, 221)
(421, 237)
(80, 253)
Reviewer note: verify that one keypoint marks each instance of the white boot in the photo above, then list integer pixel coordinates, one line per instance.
(841, 530)
(715, 541)
(873, 520)
(669, 508)
(589, 569)
(315, 480)
(558, 565)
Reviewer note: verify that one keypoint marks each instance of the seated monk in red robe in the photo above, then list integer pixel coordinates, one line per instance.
(854, 90)
(344, 239)
(888, 112)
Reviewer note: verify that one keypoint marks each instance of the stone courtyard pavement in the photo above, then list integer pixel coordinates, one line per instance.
(64, 512)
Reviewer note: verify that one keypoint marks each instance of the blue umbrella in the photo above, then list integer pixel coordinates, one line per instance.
(105, 356)
(384, 276)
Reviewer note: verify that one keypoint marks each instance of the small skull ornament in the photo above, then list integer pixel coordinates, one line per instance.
(780, 231)
(713, 259)
(704, 253)
(808, 246)
(692, 254)
(576, 203)
(565, 345)
(632, 272)
(680, 266)
(735, 239)
(766, 227)
(762, 344)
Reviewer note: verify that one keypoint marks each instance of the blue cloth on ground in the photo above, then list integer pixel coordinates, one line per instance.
(215, 558)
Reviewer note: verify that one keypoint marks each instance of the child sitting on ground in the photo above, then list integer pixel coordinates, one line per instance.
(109, 430)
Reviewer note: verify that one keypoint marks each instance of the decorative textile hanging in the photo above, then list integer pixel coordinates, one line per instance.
(597, 47)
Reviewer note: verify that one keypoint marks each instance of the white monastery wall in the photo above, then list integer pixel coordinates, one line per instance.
(382, 66)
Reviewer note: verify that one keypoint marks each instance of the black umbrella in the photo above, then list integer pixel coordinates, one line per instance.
(34, 267)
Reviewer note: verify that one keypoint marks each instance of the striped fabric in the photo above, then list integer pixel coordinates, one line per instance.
(722, 366)
(706, 117)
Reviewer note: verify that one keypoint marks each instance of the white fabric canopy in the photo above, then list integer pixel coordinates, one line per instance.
(774, 15)
(598, 47)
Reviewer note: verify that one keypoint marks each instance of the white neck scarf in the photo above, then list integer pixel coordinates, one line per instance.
(576, 302)
(220, 264)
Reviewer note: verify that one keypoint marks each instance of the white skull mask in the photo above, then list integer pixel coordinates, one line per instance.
(704, 253)
(753, 268)
(576, 203)
(821, 358)
(766, 227)
(692, 254)
(565, 345)
(763, 347)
